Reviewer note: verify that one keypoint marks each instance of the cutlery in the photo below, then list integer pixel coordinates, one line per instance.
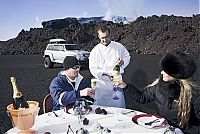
(71, 129)
(151, 122)
(127, 112)
(55, 114)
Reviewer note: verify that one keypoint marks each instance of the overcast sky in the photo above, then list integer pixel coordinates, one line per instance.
(25, 14)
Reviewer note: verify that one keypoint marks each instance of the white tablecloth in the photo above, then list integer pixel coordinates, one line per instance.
(114, 120)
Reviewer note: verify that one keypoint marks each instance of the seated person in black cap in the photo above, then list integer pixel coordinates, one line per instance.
(176, 98)
(69, 85)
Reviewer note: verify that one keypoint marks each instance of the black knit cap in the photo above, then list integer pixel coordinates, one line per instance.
(69, 62)
(178, 65)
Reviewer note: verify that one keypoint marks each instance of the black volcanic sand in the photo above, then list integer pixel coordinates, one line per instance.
(33, 79)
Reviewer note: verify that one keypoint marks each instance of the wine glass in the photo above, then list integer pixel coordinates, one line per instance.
(24, 119)
(170, 130)
(81, 108)
(93, 85)
(115, 96)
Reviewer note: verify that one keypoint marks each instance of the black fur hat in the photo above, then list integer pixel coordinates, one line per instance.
(178, 65)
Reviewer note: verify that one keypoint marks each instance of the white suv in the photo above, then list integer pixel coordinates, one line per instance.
(58, 49)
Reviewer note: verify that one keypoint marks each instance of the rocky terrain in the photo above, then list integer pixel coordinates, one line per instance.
(150, 35)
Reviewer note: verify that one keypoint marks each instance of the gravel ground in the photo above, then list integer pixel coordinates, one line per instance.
(33, 79)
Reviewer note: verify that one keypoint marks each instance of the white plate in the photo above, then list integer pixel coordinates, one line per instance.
(146, 119)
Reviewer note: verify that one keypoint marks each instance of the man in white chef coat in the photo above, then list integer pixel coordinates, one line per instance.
(103, 57)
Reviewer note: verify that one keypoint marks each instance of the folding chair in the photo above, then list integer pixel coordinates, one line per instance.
(47, 103)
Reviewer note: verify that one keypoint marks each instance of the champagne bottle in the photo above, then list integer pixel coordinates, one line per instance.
(18, 99)
(116, 73)
(117, 69)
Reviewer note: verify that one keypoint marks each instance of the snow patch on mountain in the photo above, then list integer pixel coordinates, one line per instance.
(114, 19)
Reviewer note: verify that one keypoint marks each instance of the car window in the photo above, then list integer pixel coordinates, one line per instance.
(58, 42)
(50, 47)
(72, 47)
(56, 47)
(61, 48)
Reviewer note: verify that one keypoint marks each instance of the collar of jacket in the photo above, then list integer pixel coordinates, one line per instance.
(77, 80)
(169, 89)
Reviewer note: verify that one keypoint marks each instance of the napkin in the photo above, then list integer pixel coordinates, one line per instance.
(152, 122)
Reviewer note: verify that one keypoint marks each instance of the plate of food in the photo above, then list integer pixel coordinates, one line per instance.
(149, 121)
(71, 110)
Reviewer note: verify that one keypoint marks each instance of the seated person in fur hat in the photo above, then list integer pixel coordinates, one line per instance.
(69, 85)
(176, 98)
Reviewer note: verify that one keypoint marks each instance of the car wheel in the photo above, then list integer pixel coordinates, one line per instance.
(48, 63)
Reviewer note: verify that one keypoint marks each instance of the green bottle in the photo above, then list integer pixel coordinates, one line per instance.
(117, 68)
(116, 74)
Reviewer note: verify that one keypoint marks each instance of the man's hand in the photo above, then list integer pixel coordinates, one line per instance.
(121, 84)
(87, 92)
(120, 62)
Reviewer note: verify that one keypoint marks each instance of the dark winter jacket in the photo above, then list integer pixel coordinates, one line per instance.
(63, 92)
(165, 95)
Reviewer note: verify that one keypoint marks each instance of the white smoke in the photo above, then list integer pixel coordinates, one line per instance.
(108, 15)
(85, 14)
(38, 22)
(126, 8)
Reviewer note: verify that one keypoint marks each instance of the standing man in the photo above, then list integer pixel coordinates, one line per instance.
(103, 57)
(69, 85)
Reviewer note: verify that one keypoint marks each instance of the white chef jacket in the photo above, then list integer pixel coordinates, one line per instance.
(102, 60)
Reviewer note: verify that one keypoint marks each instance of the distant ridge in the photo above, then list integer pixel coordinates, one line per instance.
(145, 35)
(82, 20)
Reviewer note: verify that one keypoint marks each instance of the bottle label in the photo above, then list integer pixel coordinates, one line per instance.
(115, 73)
